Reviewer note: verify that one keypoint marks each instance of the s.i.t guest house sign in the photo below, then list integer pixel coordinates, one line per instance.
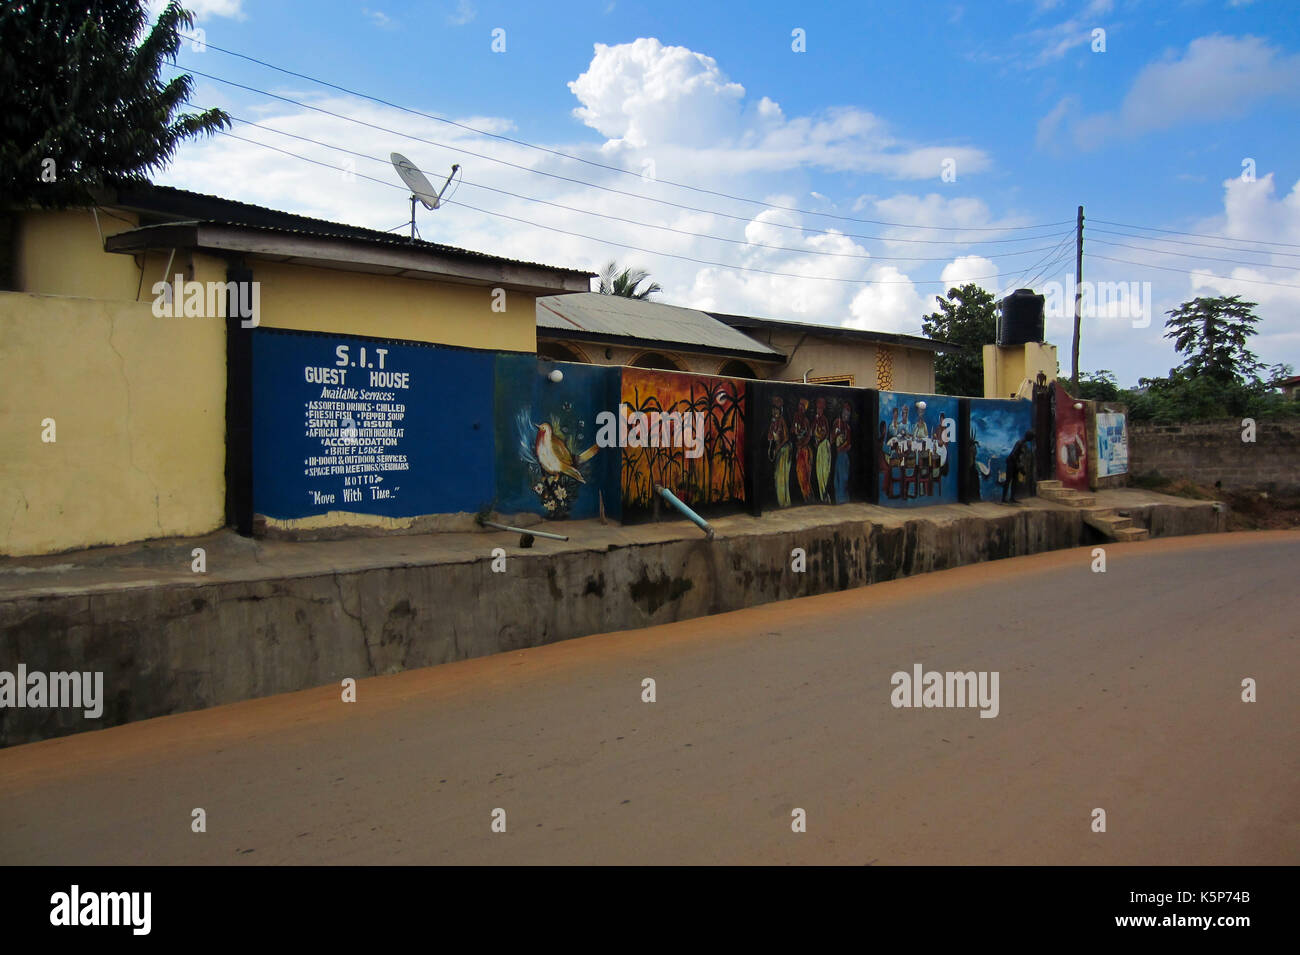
(367, 426)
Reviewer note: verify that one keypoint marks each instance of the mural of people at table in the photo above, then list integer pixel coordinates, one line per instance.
(778, 451)
(821, 434)
(915, 433)
(842, 441)
(803, 457)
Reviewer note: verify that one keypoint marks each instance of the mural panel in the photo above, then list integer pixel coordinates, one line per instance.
(916, 449)
(367, 426)
(548, 461)
(995, 427)
(703, 460)
(809, 445)
(1112, 445)
(1071, 441)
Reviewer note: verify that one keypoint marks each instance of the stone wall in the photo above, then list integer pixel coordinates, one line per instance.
(1207, 452)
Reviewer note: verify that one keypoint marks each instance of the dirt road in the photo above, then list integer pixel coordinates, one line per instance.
(1119, 691)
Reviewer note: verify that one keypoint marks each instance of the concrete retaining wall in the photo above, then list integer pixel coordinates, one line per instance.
(177, 647)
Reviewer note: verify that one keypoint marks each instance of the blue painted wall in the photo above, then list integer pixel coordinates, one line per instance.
(417, 441)
(996, 424)
(532, 408)
(915, 466)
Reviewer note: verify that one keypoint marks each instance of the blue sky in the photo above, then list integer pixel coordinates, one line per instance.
(1017, 101)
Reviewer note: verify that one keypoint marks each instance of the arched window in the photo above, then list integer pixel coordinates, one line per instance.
(653, 359)
(557, 351)
(735, 368)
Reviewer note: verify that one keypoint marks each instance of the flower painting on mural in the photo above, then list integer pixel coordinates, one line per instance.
(556, 461)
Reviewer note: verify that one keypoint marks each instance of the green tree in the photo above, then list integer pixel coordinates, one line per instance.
(1099, 386)
(626, 282)
(967, 316)
(1211, 335)
(82, 104)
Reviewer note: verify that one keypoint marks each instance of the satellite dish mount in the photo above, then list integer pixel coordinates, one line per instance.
(422, 190)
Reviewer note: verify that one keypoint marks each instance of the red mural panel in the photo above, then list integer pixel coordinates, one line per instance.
(1071, 442)
(711, 470)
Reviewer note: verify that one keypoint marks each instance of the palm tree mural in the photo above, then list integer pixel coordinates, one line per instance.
(626, 282)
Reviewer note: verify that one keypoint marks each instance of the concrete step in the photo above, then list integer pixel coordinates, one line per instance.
(1114, 526)
(1067, 495)
(1109, 524)
(1050, 485)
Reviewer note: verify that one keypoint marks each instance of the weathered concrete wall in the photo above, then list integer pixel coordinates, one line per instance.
(184, 646)
(1210, 451)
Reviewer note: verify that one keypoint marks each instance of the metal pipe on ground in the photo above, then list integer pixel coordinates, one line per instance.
(698, 521)
(521, 530)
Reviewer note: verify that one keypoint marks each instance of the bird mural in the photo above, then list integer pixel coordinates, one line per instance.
(553, 453)
(546, 447)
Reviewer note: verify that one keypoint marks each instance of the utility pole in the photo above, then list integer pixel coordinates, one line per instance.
(1078, 303)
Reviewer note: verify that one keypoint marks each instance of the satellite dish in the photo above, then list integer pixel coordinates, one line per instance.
(420, 187)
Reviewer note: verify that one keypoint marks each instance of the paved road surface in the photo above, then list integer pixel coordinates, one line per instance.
(1118, 690)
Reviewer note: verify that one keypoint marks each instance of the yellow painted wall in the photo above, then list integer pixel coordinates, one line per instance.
(139, 410)
(354, 303)
(1005, 367)
(913, 368)
(59, 253)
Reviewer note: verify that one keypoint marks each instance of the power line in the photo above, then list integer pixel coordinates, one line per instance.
(1020, 279)
(610, 189)
(1197, 245)
(621, 245)
(651, 225)
(1199, 235)
(1222, 278)
(592, 162)
(1207, 258)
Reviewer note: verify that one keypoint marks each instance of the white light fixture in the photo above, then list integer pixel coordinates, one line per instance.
(556, 376)
(1078, 406)
(920, 406)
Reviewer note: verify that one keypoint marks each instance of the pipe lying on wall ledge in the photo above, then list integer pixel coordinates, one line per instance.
(520, 530)
(698, 521)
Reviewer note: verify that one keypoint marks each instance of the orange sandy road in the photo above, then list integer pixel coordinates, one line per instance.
(1118, 690)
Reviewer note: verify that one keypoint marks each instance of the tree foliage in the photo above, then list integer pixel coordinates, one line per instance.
(82, 102)
(967, 316)
(626, 282)
(1219, 376)
(1211, 335)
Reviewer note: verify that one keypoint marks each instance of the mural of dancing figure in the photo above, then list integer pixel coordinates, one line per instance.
(778, 450)
(842, 440)
(821, 433)
(803, 453)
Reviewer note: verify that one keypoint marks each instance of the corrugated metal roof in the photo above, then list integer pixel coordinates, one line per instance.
(837, 331)
(201, 208)
(615, 315)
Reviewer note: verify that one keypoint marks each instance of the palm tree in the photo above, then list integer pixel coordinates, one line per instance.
(626, 282)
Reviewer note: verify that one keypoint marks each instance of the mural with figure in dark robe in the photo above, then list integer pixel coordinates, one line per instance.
(916, 449)
(807, 445)
(996, 426)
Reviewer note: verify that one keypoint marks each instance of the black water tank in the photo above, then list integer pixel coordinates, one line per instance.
(1021, 319)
